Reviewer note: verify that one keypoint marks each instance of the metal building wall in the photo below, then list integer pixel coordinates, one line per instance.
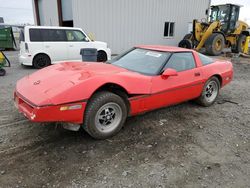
(124, 23)
(48, 12)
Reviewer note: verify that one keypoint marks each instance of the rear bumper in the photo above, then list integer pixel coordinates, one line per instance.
(25, 59)
(51, 113)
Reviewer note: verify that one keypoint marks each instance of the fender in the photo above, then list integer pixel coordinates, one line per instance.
(84, 90)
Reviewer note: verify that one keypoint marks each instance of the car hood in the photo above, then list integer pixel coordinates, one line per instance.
(40, 87)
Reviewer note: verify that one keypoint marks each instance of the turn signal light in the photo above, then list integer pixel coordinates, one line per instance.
(71, 107)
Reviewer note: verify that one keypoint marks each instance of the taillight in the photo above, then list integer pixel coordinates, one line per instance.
(26, 48)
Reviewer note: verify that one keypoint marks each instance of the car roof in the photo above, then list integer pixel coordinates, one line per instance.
(164, 48)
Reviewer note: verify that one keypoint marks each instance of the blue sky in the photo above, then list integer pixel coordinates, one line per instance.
(20, 11)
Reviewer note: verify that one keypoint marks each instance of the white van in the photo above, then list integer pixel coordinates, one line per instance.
(41, 46)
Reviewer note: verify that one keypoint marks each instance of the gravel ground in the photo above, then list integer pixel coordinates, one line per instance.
(180, 146)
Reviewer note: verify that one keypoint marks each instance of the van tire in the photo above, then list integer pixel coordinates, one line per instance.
(101, 56)
(41, 61)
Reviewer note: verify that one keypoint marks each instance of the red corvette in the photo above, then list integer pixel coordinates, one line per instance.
(100, 96)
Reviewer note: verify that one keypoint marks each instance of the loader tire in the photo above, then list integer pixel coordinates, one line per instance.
(215, 44)
(2, 72)
(188, 36)
(186, 43)
(239, 48)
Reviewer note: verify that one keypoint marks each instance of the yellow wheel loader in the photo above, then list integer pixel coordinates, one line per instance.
(223, 30)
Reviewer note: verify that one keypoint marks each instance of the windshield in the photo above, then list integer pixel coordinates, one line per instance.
(220, 13)
(143, 61)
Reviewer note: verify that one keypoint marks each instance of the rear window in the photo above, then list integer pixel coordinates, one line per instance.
(35, 35)
(46, 35)
(205, 60)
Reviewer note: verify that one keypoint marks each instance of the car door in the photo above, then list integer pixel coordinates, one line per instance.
(55, 44)
(76, 41)
(186, 85)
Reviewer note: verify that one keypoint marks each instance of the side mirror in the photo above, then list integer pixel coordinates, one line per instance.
(169, 72)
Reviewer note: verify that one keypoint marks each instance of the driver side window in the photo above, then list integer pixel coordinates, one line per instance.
(181, 61)
(74, 35)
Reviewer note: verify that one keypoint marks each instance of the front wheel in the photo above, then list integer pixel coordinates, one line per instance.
(210, 92)
(105, 115)
(215, 44)
(101, 56)
(239, 47)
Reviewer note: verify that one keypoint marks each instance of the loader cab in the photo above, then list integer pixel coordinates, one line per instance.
(227, 15)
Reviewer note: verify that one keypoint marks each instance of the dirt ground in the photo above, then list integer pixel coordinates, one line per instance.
(180, 146)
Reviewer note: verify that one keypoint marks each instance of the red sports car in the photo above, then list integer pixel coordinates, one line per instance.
(100, 96)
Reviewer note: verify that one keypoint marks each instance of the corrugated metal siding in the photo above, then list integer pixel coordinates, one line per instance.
(124, 23)
(48, 12)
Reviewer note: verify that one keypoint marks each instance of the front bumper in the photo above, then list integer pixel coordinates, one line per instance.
(109, 53)
(50, 113)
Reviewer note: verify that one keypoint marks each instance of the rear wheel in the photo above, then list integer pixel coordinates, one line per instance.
(2, 72)
(188, 36)
(185, 43)
(239, 48)
(215, 44)
(101, 56)
(105, 115)
(41, 61)
(210, 92)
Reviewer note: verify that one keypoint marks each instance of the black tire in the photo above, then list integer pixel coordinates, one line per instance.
(186, 43)
(204, 99)
(98, 122)
(101, 56)
(215, 44)
(239, 45)
(41, 61)
(2, 72)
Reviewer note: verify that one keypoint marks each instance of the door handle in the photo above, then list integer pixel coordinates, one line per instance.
(71, 45)
(47, 46)
(197, 74)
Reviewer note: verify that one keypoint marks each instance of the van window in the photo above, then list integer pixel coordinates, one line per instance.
(35, 35)
(46, 35)
(53, 35)
(75, 35)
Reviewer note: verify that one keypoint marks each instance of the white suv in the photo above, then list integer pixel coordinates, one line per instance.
(41, 46)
